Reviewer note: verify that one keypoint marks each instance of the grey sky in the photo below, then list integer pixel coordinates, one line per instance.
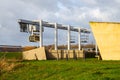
(73, 12)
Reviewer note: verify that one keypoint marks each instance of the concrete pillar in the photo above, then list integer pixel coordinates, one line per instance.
(41, 34)
(56, 36)
(31, 30)
(68, 41)
(96, 49)
(68, 37)
(79, 41)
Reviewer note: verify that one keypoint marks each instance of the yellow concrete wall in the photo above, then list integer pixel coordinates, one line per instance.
(53, 54)
(79, 53)
(38, 53)
(61, 54)
(41, 54)
(107, 36)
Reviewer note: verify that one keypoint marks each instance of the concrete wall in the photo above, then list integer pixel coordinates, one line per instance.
(41, 54)
(61, 54)
(107, 36)
(35, 54)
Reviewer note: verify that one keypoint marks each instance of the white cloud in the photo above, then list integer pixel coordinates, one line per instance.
(99, 15)
(0, 26)
(118, 1)
(74, 12)
(91, 2)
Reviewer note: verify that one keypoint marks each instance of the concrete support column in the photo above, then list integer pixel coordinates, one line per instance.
(56, 36)
(68, 37)
(41, 34)
(79, 40)
(31, 31)
(68, 41)
(96, 49)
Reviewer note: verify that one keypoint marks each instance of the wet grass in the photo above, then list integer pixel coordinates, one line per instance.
(89, 69)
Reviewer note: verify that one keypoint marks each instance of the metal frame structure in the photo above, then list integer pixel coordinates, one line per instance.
(40, 24)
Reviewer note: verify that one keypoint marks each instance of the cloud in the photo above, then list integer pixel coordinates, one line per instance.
(90, 2)
(0, 26)
(73, 12)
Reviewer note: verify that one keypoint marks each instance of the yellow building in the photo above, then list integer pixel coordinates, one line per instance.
(107, 36)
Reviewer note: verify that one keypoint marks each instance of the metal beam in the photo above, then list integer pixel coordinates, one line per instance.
(59, 26)
(28, 22)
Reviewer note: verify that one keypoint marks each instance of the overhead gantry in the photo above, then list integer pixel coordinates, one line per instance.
(36, 28)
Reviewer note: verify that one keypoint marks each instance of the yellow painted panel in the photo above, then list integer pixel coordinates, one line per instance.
(107, 36)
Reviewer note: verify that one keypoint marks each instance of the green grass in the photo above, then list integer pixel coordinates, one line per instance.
(89, 69)
(11, 55)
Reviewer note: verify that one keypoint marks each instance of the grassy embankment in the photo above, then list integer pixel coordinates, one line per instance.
(89, 69)
(11, 55)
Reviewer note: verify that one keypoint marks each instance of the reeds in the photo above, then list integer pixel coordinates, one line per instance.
(6, 66)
